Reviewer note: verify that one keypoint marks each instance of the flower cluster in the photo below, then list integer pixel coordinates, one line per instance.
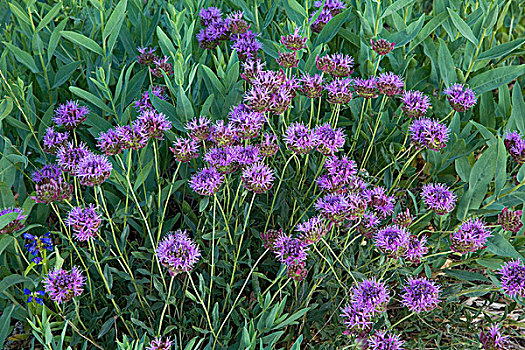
(513, 278)
(515, 145)
(415, 103)
(392, 240)
(84, 222)
(460, 97)
(177, 252)
(493, 339)
(17, 220)
(438, 198)
(382, 340)
(312, 230)
(420, 294)
(37, 245)
(294, 42)
(70, 115)
(429, 134)
(381, 46)
(53, 140)
(510, 220)
(271, 91)
(159, 344)
(36, 296)
(62, 285)
(325, 13)
(50, 185)
(470, 236)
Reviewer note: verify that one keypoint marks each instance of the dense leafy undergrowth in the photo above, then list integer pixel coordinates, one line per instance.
(262, 174)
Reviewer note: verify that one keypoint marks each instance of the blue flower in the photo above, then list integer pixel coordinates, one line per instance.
(35, 296)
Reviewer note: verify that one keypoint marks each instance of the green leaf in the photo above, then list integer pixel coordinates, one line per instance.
(332, 28)
(428, 29)
(23, 57)
(518, 108)
(49, 16)
(396, 6)
(184, 107)
(63, 73)
(165, 43)
(294, 5)
(447, 67)
(501, 50)
(501, 167)
(169, 111)
(462, 26)
(466, 275)
(494, 78)
(6, 107)
(20, 13)
(90, 98)
(115, 20)
(498, 245)
(83, 41)
(5, 322)
(11, 280)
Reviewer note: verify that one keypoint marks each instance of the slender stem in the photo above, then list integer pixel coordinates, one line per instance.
(165, 305)
(401, 320)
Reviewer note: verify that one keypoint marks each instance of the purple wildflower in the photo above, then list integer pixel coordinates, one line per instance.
(154, 124)
(329, 141)
(259, 98)
(403, 218)
(379, 201)
(370, 296)
(246, 45)
(47, 173)
(343, 65)
(428, 133)
(513, 278)
(223, 134)
(53, 140)
(207, 181)
(132, 136)
(390, 84)
(222, 158)
(84, 222)
(312, 230)
(493, 339)
(177, 252)
(246, 155)
(280, 100)
(159, 344)
(299, 138)
(109, 142)
(236, 23)
(147, 55)
(415, 103)
(252, 68)
(290, 250)
(288, 59)
(257, 178)
(356, 321)
(324, 17)
(199, 128)
(295, 41)
(510, 220)
(334, 6)
(311, 86)
(144, 103)
(470, 236)
(162, 65)
(247, 124)
(269, 238)
(325, 64)
(17, 221)
(62, 285)
(381, 46)
(336, 207)
(330, 183)
(339, 91)
(369, 222)
(185, 149)
(209, 37)
(93, 170)
(37, 244)
(52, 190)
(515, 145)
(460, 97)
(297, 271)
(366, 88)
(69, 156)
(392, 240)
(439, 198)
(209, 15)
(420, 294)
(268, 146)
(70, 115)
(382, 340)
(342, 167)
(416, 249)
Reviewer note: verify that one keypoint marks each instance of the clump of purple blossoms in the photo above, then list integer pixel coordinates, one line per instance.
(270, 236)
(207, 181)
(62, 285)
(338, 207)
(84, 222)
(288, 59)
(146, 55)
(324, 64)
(209, 37)
(199, 128)
(493, 339)
(439, 198)
(311, 86)
(132, 136)
(290, 250)
(70, 115)
(154, 124)
(381, 46)
(379, 201)
(470, 236)
(299, 138)
(344, 65)
(236, 23)
(268, 146)
(246, 45)
(251, 68)
(382, 340)
(37, 244)
(366, 88)
(53, 140)
(159, 344)
(222, 158)
(510, 220)
(295, 41)
(515, 145)
(177, 252)
(331, 8)
(297, 271)
(339, 91)
(416, 249)
(370, 296)
(312, 230)
(390, 84)
(329, 141)
(109, 142)
(415, 103)
(428, 133)
(392, 240)
(369, 222)
(247, 124)
(161, 65)
(210, 15)
(257, 178)
(513, 278)
(403, 219)
(355, 320)
(185, 149)
(93, 170)
(246, 155)
(69, 156)
(420, 294)
(144, 103)
(223, 134)
(343, 168)
(460, 97)
(50, 185)
(17, 223)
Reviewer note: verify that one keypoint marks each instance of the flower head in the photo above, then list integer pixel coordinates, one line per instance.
(207, 181)
(382, 340)
(319, 23)
(246, 155)
(268, 146)
(416, 249)
(257, 178)
(52, 190)
(339, 91)
(84, 222)
(252, 68)
(159, 344)
(223, 134)
(53, 141)
(48, 173)
(370, 296)
(132, 136)
(161, 66)
(290, 250)
(297, 271)
(299, 138)
(93, 170)
(295, 41)
(154, 124)
(344, 65)
(199, 128)
(510, 220)
(381, 46)
(270, 236)
(36, 296)
(246, 45)
(236, 23)
(356, 321)
(420, 294)
(470, 236)
(209, 15)
(515, 145)
(109, 142)
(439, 198)
(392, 240)
(222, 158)
(334, 6)
(185, 149)
(288, 59)
(390, 84)
(17, 220)
(415, 103)
(460, 97)
(379, 201)
(493, 339)
(311, 86)
(338, 207)
(369, 222)
(70, 115)
(146, 55)
(247, 124)
(62, 285)
(325, 64)
(329, 140)
(343, 168)
(209, 37)
(428, 133)
(366, 88)
(69, 156)
(403, 218)
(312, 230)
(513, 278)
(177, 252)
(37, 244)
